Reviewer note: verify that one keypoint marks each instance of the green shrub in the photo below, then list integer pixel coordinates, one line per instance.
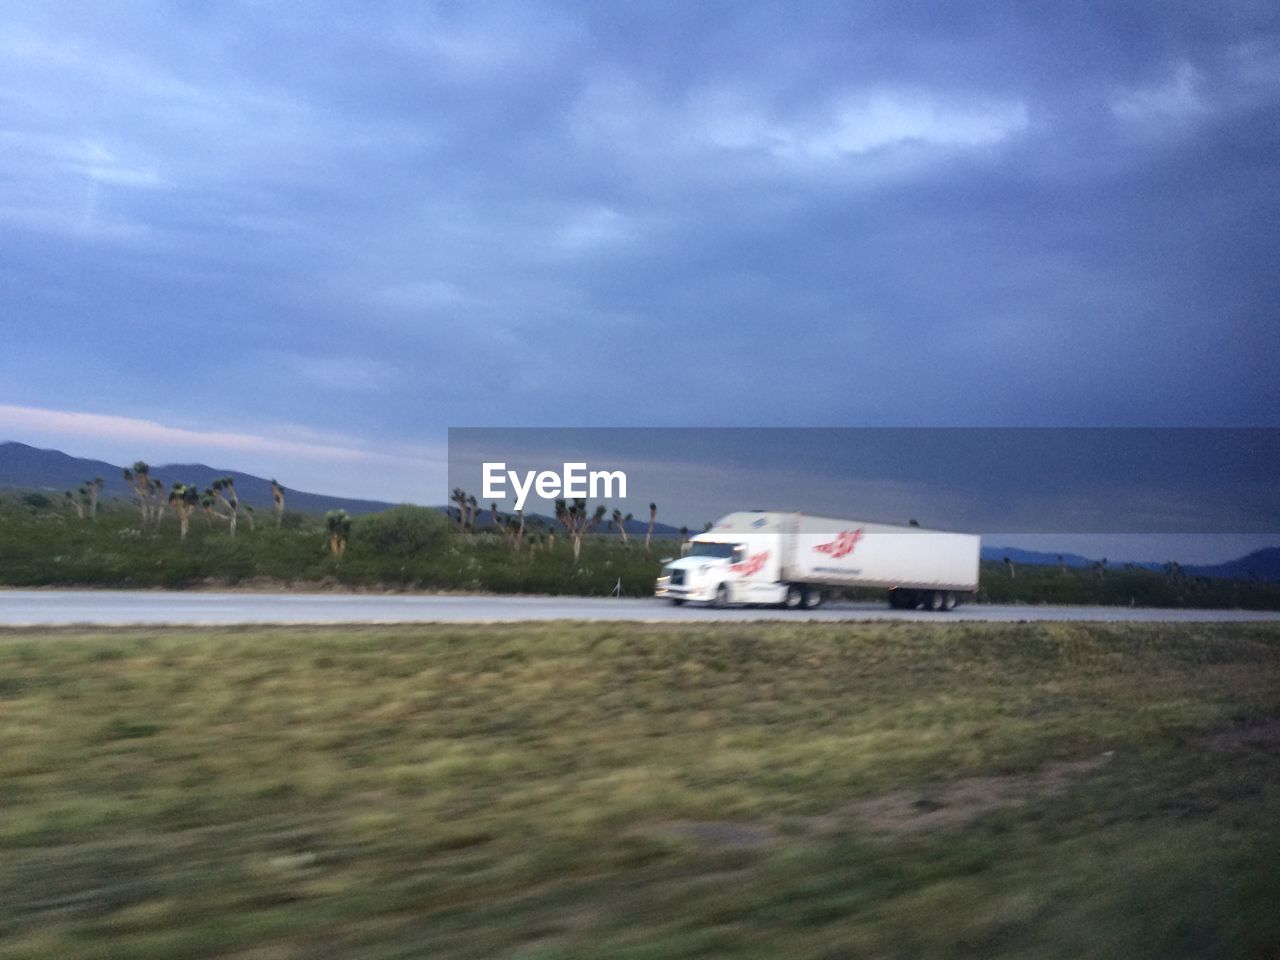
(404, 531)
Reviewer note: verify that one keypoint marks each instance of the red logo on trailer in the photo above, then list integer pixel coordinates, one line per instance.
(842, 545)
(751, 565)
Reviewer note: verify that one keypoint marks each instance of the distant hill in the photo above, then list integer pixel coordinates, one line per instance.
(1032, 558)
(1073, 561)
(24, 467)
(1260, 565)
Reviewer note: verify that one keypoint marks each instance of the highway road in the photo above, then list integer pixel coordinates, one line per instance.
(189, 608)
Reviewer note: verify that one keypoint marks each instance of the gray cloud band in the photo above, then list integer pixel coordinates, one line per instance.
(1051, 481)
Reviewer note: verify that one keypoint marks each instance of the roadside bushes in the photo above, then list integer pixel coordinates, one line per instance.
(407, 547)
(411, 547)
(401, 532)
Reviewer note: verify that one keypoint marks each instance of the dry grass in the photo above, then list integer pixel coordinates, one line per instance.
(585, 790)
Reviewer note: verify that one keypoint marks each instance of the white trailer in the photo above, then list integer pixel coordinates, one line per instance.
(795, 560)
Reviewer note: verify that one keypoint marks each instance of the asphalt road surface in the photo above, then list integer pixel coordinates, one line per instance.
(189, 608)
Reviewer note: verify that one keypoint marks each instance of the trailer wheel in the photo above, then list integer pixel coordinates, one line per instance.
(812, 599)
(948, 601)
(794, 599)
(933, 600)
(722, 596)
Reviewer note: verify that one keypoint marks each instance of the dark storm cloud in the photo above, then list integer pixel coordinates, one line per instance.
(377, 221)
(1047, 481)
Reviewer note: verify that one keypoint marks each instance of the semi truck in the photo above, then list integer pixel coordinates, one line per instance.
(796, 561)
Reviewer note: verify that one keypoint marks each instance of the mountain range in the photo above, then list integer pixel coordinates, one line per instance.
(1260, 565)
(23, 467)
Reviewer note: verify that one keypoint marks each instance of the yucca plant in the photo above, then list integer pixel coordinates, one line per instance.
(91, 489)
(76, 503)
(139, 480)
(223, 491)
(277, 497)
(621, 522)
(338, 524)
(459, 496)
(184, 498)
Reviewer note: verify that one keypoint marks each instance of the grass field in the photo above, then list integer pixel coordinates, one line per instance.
(583, 791)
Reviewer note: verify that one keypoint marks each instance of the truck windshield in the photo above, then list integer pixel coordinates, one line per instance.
(701, 549)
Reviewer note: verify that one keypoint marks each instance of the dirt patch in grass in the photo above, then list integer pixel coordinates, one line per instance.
(938, 807)
(960, 801)
(1266, 733)
(721, 834)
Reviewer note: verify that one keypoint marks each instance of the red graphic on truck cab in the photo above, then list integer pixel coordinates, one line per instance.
(750, 566)
(842, 545)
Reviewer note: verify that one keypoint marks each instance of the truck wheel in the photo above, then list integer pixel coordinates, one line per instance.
(722, 595)
(794, 599)
(948, 601)
(933, 600)
(812, 599)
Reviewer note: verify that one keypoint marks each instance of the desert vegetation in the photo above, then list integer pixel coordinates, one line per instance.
(581, 552)
(585, 551)
(407, 547)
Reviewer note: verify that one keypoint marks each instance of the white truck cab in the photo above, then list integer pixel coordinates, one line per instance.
(724, 567)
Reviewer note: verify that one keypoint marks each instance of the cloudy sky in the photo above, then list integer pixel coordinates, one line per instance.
(305, 239)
